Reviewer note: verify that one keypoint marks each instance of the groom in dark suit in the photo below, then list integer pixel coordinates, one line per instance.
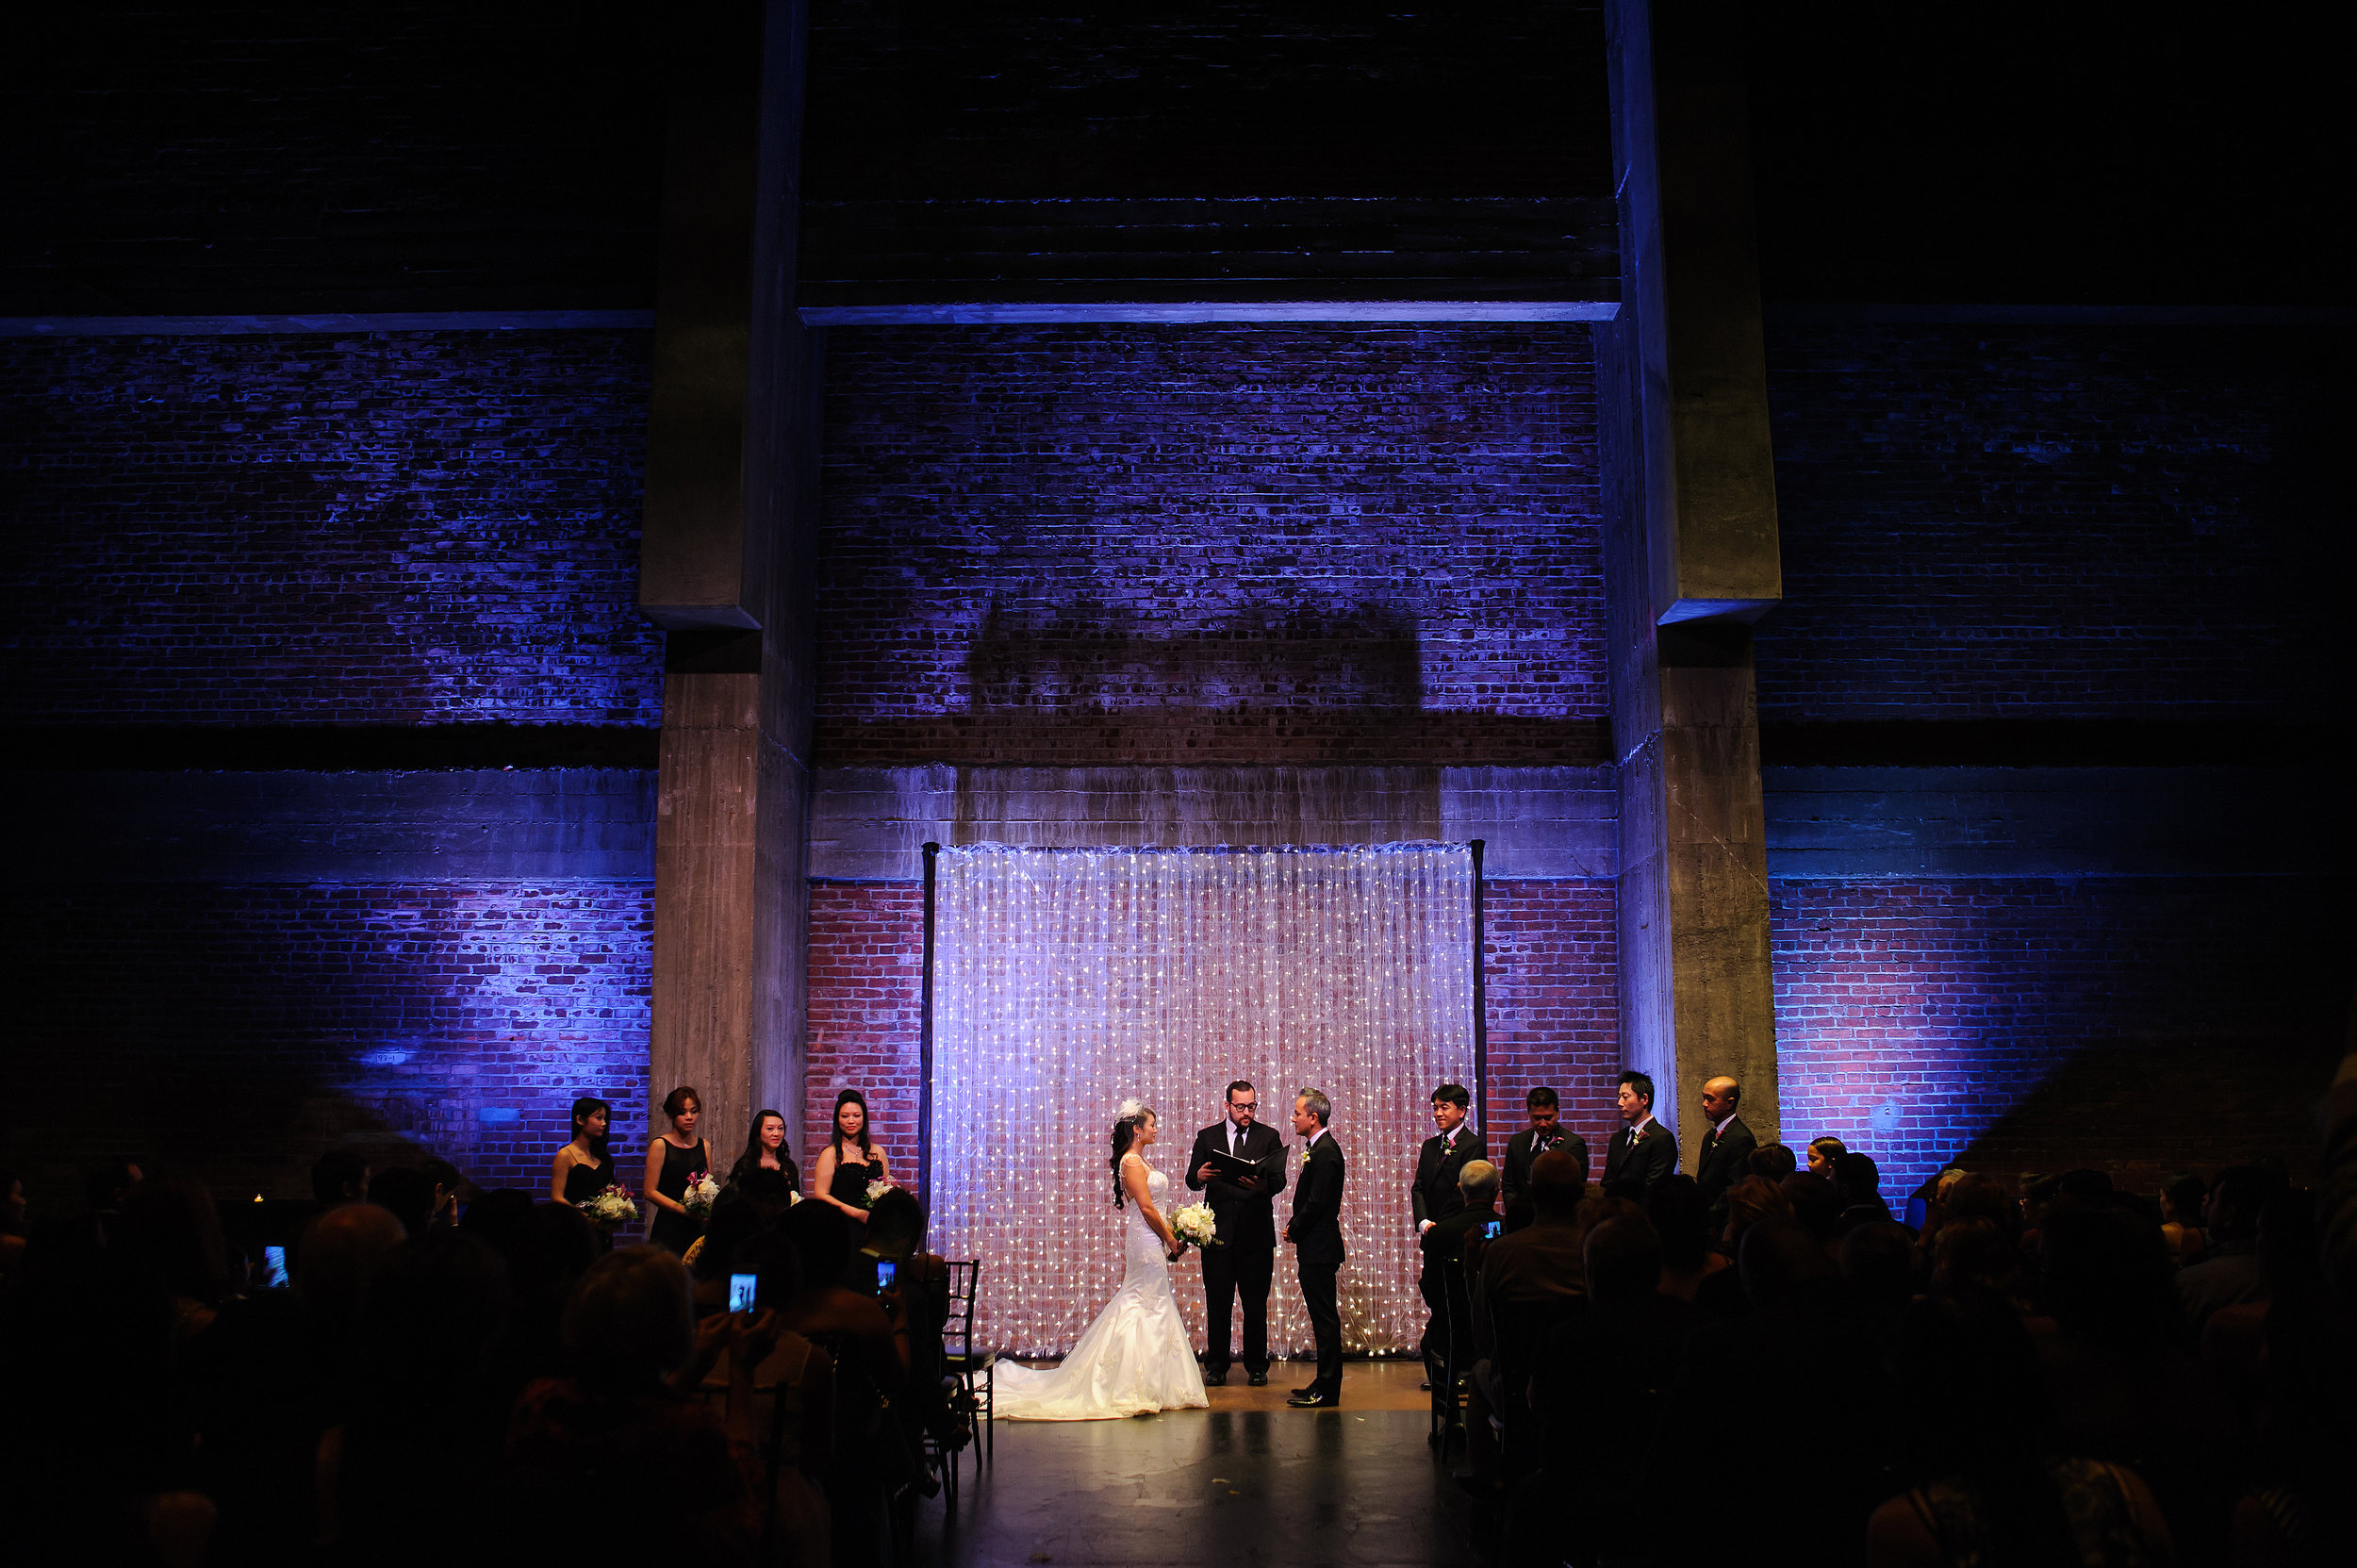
(1316, 1235)
(1244, 1259)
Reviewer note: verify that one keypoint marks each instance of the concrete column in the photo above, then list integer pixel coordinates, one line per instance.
(1691, 561)
(731, 465)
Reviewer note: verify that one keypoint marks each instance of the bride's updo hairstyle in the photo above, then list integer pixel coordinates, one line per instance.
(1134, 1116)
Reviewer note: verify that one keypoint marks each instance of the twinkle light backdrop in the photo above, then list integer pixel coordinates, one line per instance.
(1068, 980)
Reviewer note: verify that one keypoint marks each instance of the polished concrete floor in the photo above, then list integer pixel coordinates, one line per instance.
(1234, 1487)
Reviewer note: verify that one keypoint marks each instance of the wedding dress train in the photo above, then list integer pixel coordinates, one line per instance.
(1133, 1358)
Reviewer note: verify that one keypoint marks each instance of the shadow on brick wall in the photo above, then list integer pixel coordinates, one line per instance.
(2145, 1109)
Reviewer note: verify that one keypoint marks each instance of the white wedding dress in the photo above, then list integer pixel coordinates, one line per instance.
(1135, 1358)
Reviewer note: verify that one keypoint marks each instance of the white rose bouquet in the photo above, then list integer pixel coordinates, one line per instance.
(613, 1206)
(1194, 1225)
(699, 1195)
(877, 1188)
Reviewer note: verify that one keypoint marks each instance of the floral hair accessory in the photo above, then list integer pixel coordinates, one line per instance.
(1131, 1110)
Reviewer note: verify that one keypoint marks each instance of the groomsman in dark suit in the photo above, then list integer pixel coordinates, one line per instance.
(1446, 1153)
(1245, 1259)
(1726, 1155)
(1434, 1197)
(1643, 1152)
(1315, 1231)
(1546, 1131)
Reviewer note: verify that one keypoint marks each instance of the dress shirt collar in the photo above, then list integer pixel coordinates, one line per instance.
(1720, 1131)
(1310, 1142)
(1637, 1128)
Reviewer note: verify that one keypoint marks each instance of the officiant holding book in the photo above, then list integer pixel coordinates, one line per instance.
(1239, 1165)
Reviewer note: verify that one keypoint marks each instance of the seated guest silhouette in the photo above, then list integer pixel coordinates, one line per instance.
(1822, 1153)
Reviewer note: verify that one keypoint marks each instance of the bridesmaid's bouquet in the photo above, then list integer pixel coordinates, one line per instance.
(699, 1195)
(613, 1206)
(877, 1188)
(1194, 1225)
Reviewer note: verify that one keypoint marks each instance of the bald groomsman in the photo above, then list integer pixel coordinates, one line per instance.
(1727, 1145)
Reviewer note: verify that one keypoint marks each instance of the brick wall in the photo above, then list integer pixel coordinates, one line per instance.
(2139, 1025)
(242, 1029)
(1202, 544)
(2012, 522)
(1554, 1005)
(399, 528)
(866, 963)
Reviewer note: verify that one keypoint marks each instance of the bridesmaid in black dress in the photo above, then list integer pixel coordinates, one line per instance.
(671, 1161)
(584, 1167)
(843, 1171)
(765, 1150)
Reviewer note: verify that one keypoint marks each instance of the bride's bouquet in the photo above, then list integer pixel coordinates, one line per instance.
(613, 1206)
(877, 1188)
(701, 1192)
(1194, 1225)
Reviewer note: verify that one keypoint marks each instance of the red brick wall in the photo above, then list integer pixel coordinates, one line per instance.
(1554, 1005)
(2140, 1025)
(867, 966)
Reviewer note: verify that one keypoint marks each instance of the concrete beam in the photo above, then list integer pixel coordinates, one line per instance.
(732, 489)
(1691, 558)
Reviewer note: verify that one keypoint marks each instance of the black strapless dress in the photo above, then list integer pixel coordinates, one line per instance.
(586, 1181)
(850, 1183)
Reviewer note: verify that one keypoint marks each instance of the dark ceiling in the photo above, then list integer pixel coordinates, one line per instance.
(434, 156)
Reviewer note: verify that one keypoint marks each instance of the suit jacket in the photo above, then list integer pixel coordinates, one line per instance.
(1316, 1227)
(1246, 1219)
(1515, 1173)
(1435, 1195)
(1725, 1159)
(1628, 1171)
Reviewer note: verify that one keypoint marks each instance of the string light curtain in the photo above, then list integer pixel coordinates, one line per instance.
(1068, 980)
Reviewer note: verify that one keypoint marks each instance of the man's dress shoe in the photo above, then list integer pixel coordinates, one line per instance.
(1308, 1399)
(1215, 1379)
(1259, 1379)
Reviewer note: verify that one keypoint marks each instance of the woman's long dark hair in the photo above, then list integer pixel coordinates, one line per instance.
(586, 1108)
(834, 1125)
(1124, 1133)
(749, 1161)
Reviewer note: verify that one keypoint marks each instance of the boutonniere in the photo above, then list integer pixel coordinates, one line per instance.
(1305, 1156)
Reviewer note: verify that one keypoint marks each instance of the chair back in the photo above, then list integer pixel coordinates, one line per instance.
(957, 1333)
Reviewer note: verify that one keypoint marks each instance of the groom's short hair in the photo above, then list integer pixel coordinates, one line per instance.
(1454, 1093)
(1319, 1106)
(1240, 1087)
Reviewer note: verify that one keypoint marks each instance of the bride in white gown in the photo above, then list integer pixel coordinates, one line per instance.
(1135, 1358)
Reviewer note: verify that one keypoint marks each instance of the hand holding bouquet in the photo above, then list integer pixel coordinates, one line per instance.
(877, 1188)
(1194, 1225)
(613, 1206)
(699, 1195)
